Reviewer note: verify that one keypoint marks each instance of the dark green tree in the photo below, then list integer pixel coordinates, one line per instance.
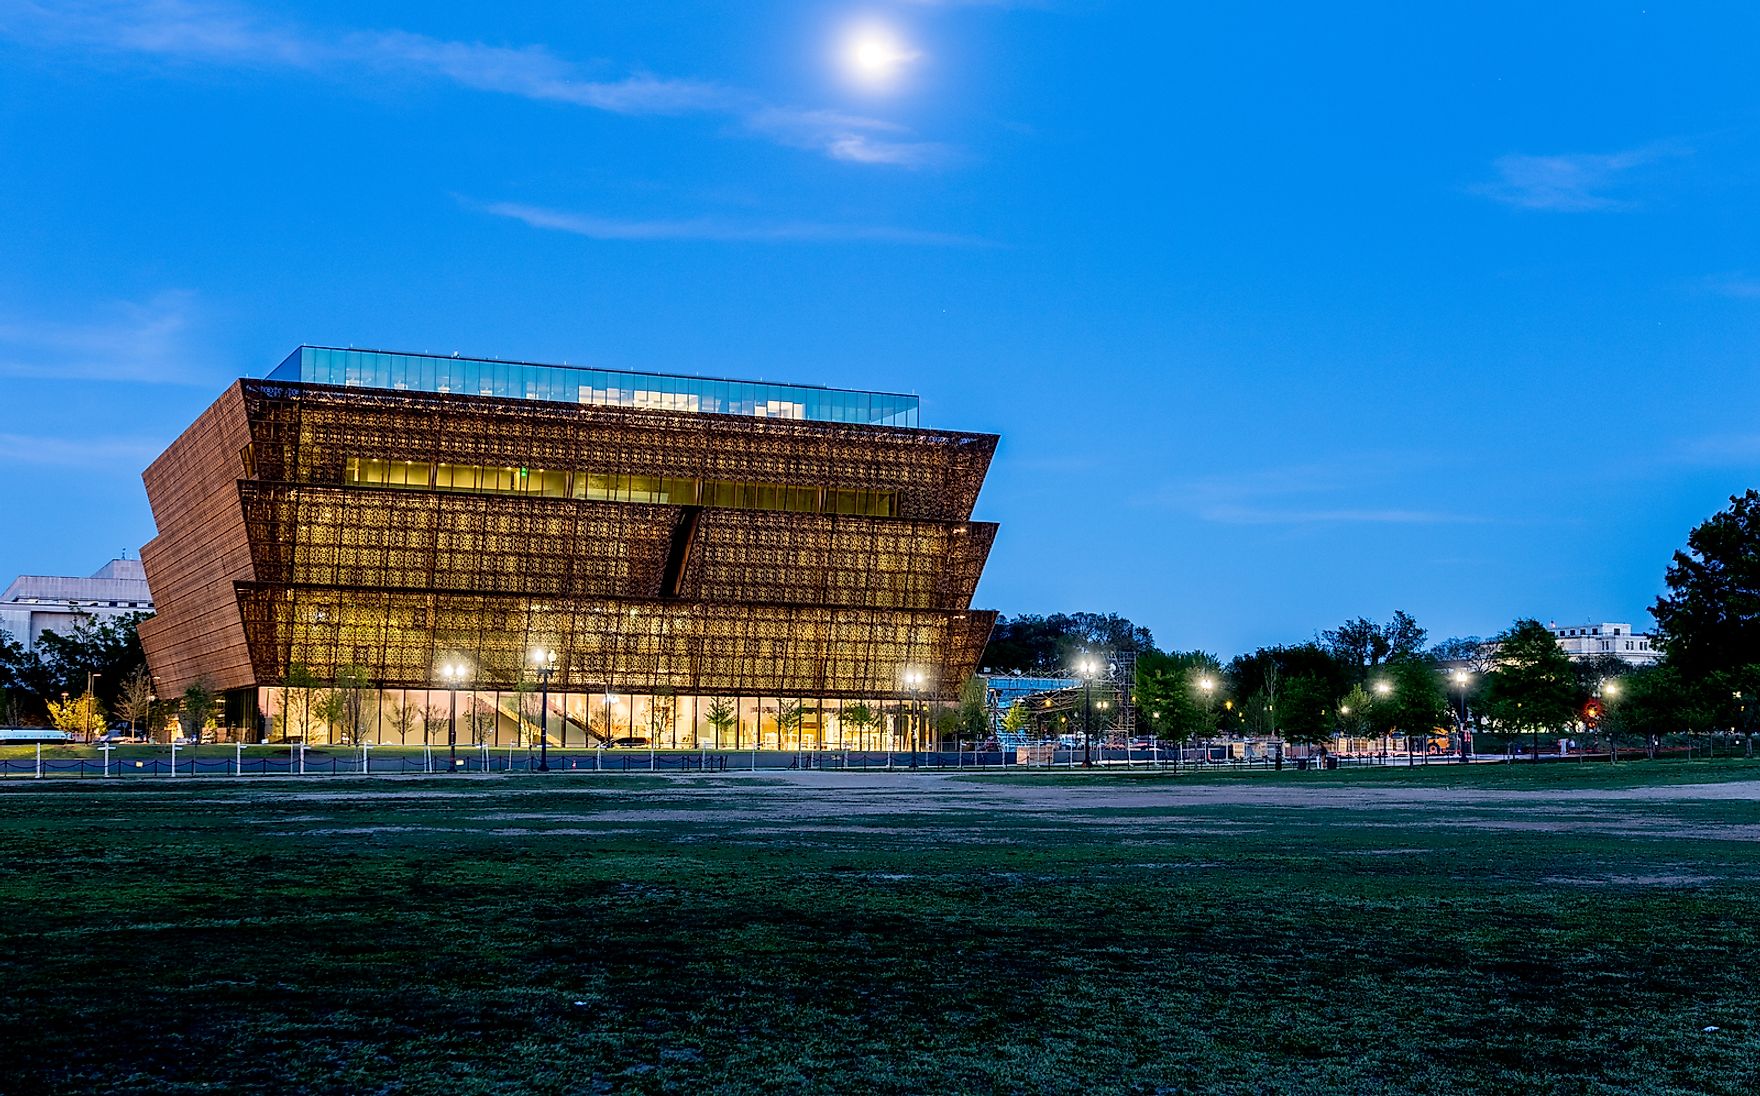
(1407, 697)
(1361, 645)
(1049, 644)
(195, 708)
(1305, 710)
(1710, 618)
(110, 648)
(1171, 701)
(1534, 685)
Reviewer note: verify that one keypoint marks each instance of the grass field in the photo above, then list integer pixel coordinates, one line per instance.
(1499, 929)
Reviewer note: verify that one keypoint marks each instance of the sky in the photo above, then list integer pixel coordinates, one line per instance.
(1285, 313)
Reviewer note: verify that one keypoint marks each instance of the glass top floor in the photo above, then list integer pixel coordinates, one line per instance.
(599, 387)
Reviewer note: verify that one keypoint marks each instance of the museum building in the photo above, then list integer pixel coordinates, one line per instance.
(671, 561)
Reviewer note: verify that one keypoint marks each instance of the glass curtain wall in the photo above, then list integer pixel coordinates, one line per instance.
(499, 718)
(598, 387)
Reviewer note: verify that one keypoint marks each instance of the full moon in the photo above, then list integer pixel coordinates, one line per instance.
(875, 55)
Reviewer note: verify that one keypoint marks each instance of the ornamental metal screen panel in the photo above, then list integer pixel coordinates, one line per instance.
(654, 550)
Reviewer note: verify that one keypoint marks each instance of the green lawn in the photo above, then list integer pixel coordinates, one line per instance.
(1466, 930)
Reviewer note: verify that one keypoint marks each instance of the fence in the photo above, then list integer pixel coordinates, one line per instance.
(282, 760)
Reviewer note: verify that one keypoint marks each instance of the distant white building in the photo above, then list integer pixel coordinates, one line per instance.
(35, 604)
(1614, 638)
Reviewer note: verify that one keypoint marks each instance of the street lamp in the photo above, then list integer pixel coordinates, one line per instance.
(1086, 668)
(913, 681)
(1460, 679)
(1208, 685)
(91, 676)
(1384, 688)
(453, 673)
(1607, 690)
(545, 660)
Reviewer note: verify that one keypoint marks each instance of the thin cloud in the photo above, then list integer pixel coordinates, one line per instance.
(1266, 515)
(1298, 495)
(1720, 449)
(849, 137)
(190, 31)
(1743, 287)
(1572, 182)
(148, 342)
(79, 452)
(717, 230)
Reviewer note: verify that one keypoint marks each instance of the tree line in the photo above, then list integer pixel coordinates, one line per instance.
(1366, 679)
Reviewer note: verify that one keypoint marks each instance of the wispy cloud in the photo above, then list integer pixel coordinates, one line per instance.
(197, 32)
(844, 136)
(1573, 182)
(722, 231)
(1720, 449)
(1299, 495)
(146, 342)
(1271, 515)
(1740, 286)
(76, 452)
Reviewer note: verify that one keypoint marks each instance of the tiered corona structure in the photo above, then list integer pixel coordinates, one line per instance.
(750, 576)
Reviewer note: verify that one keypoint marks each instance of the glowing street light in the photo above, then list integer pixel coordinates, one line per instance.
(1086, 669)
(453, 673)
(1461, 679)
(545, 662)
(913, 682)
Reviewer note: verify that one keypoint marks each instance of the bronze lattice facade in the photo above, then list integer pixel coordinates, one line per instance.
(660, 553)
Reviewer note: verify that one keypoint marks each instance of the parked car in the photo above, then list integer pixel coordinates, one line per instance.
(630, 740)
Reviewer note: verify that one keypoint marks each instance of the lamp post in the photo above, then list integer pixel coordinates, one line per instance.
(1085, 669)
(545, 660)
(91, 677)
(913, 681)
(1607, 690)
(1207, 685)
(1460, 679)
(453, 673)
(1384, 688)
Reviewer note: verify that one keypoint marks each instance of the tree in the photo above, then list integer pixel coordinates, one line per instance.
(1708, 623)
(1414, 702)
(79, 715)
(1304, 714)
(663, 713)
(1015, 720)
(1171, 699)
(1533, 686)
(1361, 645)
(350, 691)
(19, 673)
(789, 716)
(1710, 618)
(722, 714)
(862, 717)
(479, 718)
(136, 700)
(195, 708)
(434, 717)
(109, 648)
(1048, 644)
(971, 718)
(1355, 713)
(329, 707)
(404, 716)
(300, 701)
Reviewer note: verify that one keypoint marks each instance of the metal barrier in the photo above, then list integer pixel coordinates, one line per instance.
(286, 760)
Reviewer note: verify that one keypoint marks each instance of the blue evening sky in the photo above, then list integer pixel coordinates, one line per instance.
(1285, 312)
